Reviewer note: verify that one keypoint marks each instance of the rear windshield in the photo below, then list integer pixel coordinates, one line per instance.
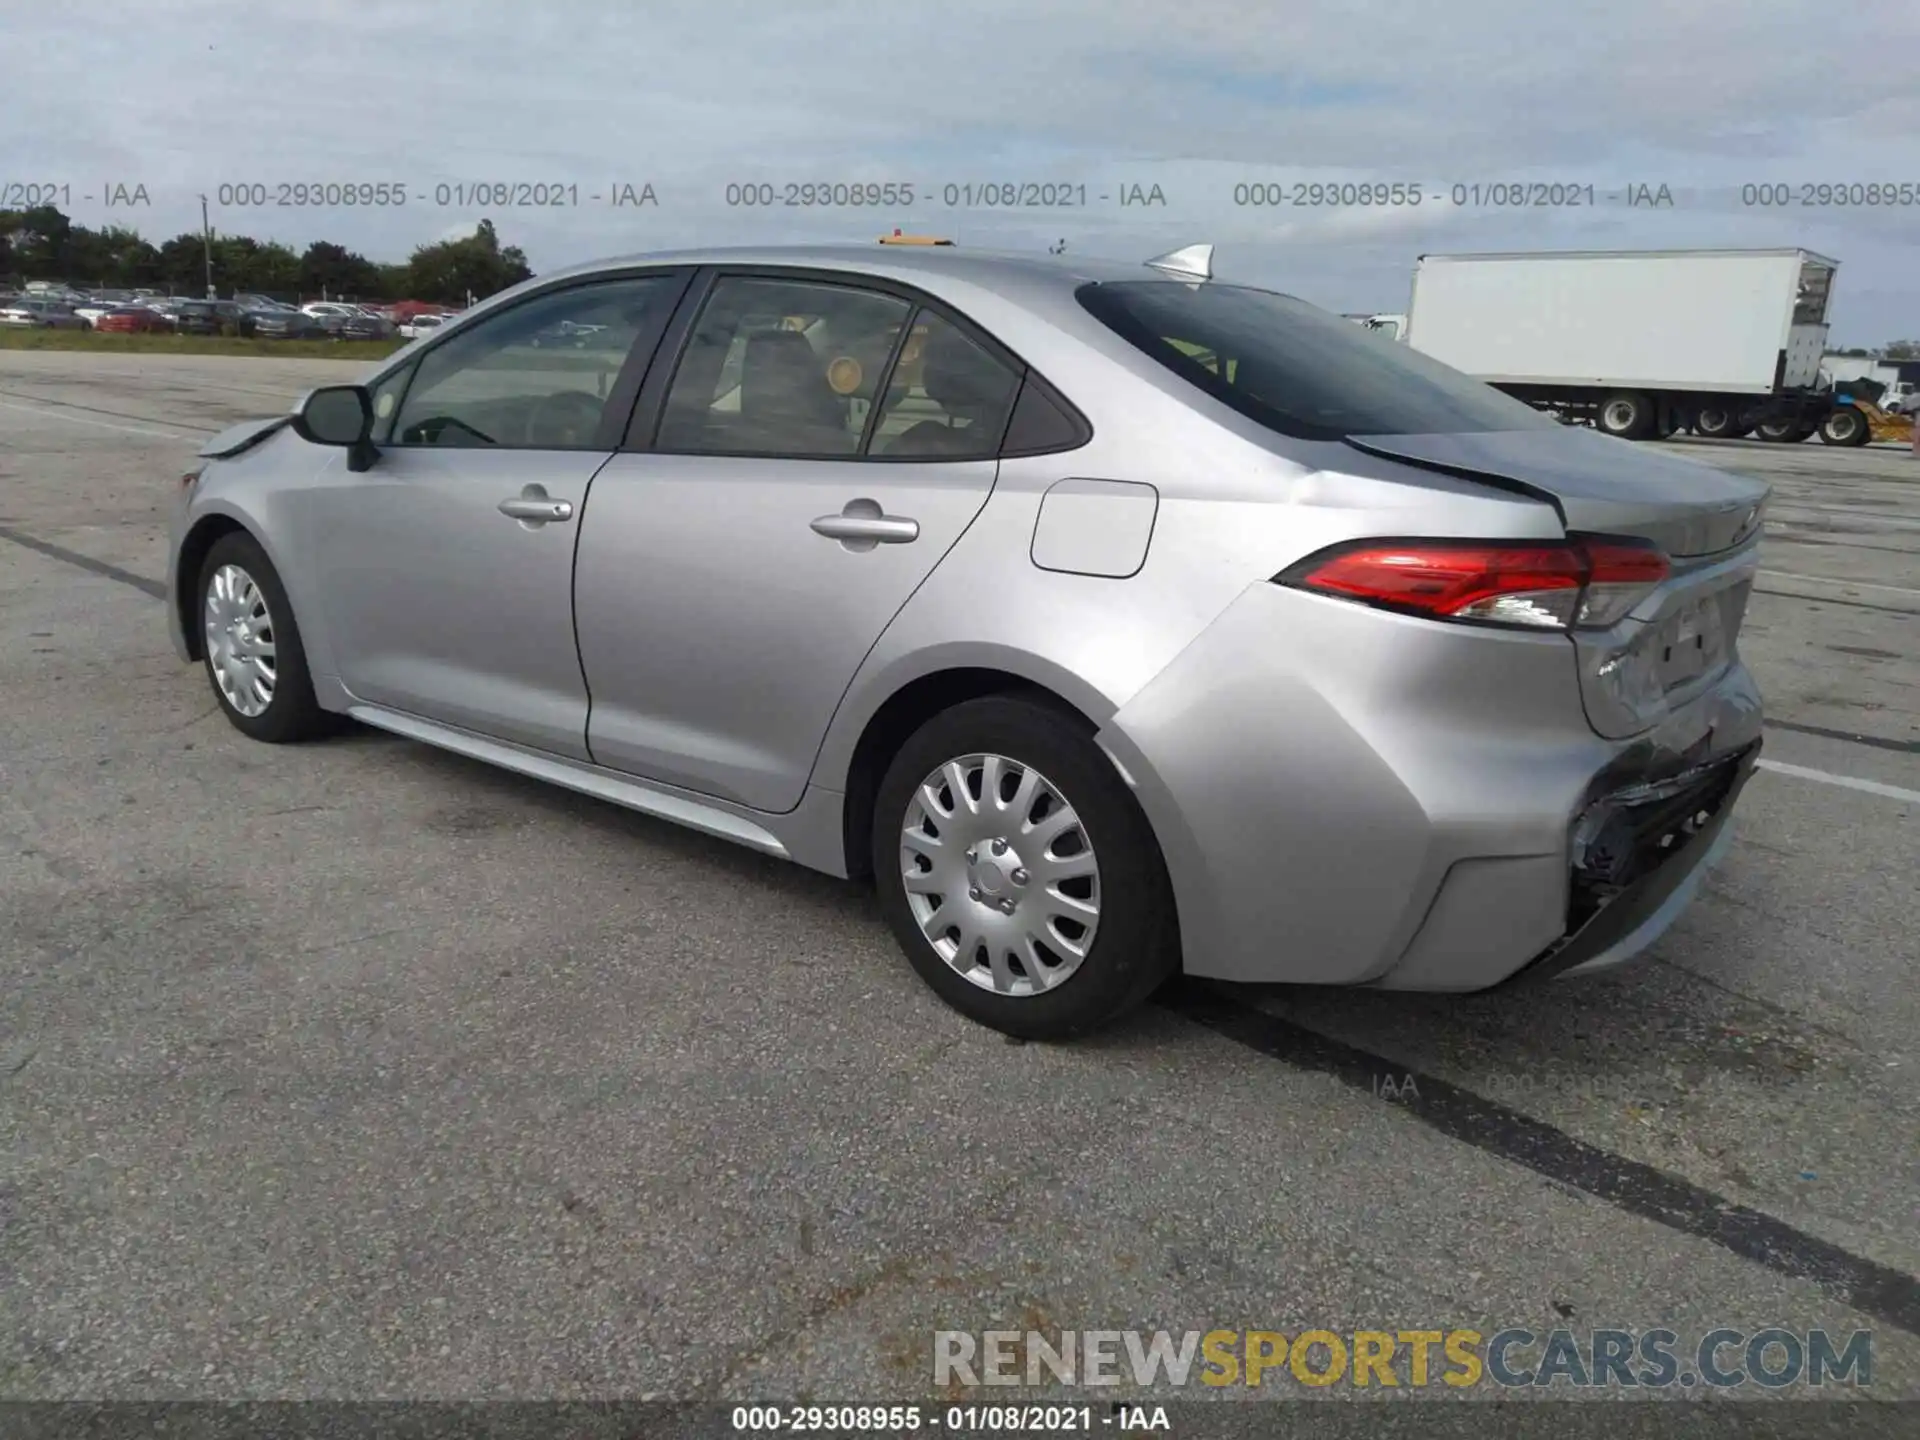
(1297, 369)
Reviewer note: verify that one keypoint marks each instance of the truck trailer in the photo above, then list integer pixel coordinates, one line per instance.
(1638, 343)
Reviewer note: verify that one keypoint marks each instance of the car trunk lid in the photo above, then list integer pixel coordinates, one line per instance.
(1600, 485)
(1650, 666)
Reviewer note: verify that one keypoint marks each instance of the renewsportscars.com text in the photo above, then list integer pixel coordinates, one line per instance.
(1393, 1359)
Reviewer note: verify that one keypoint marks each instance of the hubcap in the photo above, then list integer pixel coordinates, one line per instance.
(1000, 874)
(1620, 414)
(240, 648)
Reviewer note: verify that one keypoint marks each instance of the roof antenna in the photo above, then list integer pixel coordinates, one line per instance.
(1194, 262)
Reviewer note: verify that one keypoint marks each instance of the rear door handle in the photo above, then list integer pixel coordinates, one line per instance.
(862, 524)
(533, 507)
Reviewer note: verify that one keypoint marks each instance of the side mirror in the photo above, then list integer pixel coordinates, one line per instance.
(339, 415)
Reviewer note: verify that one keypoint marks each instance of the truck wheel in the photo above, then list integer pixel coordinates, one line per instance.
(1715, 422)
(1845, 426)
(1628, 414)
(1779, 432)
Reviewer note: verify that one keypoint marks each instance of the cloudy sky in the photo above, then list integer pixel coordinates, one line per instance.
(1096, 97)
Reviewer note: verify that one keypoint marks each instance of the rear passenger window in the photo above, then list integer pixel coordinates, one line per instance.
(949, 399)
(781, 367)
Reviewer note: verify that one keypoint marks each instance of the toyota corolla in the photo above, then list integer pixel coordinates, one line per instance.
(1113, 621)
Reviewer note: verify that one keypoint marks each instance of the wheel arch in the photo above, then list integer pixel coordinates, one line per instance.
(863, 744)
(195, 546)
(216, 520)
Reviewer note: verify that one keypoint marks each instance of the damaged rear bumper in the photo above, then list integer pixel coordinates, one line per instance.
(1639, 855)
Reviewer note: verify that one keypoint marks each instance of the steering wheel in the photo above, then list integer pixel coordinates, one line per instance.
(430, 431)
(563, 418)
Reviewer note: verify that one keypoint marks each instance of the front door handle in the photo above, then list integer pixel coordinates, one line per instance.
(533, 507)
(862, 524)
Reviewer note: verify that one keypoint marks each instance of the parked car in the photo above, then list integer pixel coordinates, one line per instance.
(233, 317)
(197, 317)
(97, 304)
(285, 324)
(40, 314)
(365, 326)
(421, 325)
(330, 315)
(1347, 668)
(131, 320)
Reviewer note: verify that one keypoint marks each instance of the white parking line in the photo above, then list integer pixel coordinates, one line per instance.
(97, 424)
(1832, 580)
(1848, 782)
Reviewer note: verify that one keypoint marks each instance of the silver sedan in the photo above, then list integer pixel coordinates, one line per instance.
(1112, 621)
(30, 313)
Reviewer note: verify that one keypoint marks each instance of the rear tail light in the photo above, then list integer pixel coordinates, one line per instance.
(1582, 583)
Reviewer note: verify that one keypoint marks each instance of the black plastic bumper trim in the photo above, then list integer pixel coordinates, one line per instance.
(1629, 910)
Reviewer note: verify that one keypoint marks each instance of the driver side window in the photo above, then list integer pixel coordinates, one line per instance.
(536, 376)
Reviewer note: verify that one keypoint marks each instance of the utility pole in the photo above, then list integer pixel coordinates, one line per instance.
(206, 231)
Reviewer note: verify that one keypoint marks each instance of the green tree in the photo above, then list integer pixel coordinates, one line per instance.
(9, 222)
(336, 270)
(183, 262)
(39, 239)
(394, 279)
(116, 256)
(43, 244)
(1904, 350)
(476, 264)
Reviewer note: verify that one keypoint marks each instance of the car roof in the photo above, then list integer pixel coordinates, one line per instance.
(1003, 271)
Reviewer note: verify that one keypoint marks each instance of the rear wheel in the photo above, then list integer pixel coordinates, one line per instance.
(1781, 432)
(1018, 874)
(1628, 414)
(1716, 422)
(251, 646)
(1845, 426)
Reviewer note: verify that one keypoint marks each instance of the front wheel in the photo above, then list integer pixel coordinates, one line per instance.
(1018, 873)
(251, 646)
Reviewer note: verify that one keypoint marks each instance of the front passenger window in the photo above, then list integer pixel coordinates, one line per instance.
(536, 376)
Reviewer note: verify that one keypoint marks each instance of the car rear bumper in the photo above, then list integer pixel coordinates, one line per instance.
(1679, 838)
(1349, 797)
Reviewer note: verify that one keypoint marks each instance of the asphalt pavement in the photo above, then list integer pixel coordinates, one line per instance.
(360, 1070)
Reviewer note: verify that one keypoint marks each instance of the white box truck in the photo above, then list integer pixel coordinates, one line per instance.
(1639, 343)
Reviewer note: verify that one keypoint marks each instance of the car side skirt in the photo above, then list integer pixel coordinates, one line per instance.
(677, 806)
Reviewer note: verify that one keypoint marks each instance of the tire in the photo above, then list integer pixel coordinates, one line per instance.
(1716, 422)
(249, 586)
(1779, 432)
(1131, 942)
(1628, 414)
(1845, 426)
